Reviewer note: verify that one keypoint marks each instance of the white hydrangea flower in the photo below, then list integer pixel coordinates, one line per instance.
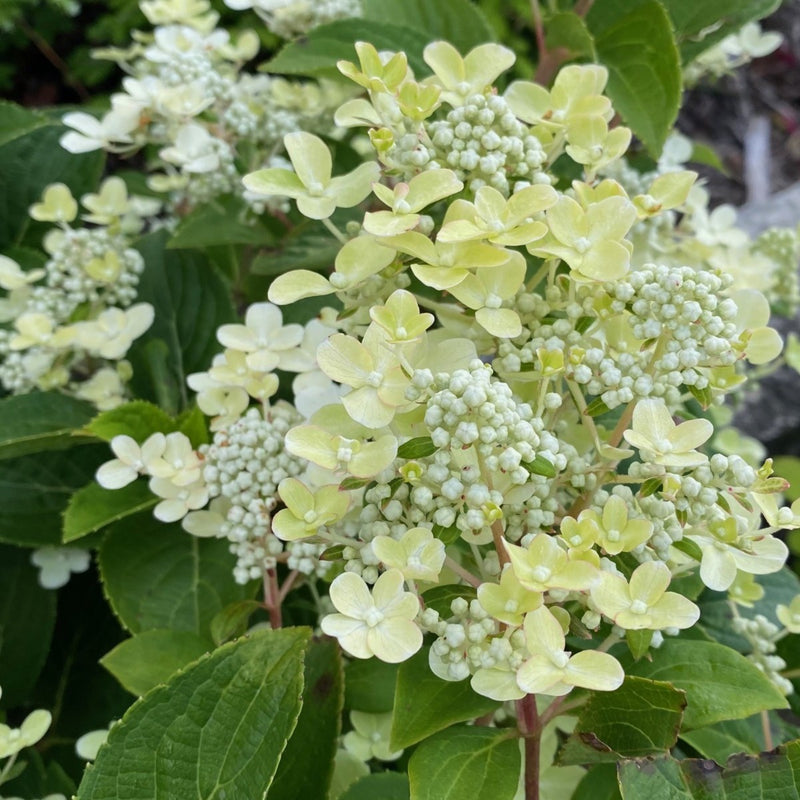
(105, 389)
(177, 501)
(131, 460)
(35, 725)
(113, 132)
(86, 746)
(113, 332)
(13, 277)
(57, 563)
(193, 150)
(417, 554)
(178, 462)
(370, 737)
(380, 624)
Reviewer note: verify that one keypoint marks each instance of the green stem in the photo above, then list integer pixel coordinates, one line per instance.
(7, 768)
(335, 231)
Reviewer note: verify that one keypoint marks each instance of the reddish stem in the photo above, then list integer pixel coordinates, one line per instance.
(531, 729)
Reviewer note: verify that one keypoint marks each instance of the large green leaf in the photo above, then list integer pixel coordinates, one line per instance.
(379, 786)
(150, 657)
(369, 685)
(215, 731)
(697, 25)
(307, 763)
(28, 164)
(640, 718)
(191, 301)
(474, 762)
(425, 704)
(719, 682)
(317, 52)
(16, 121)
(771, 775)
(599, 783)
(93, 507)
(458, 21)
(644, 73)
(218, 223)
(34, 492)
(27, 615)
(31, 423)
(159, 576)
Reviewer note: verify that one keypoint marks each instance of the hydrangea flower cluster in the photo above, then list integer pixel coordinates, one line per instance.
(510, 398)
(188, 99)
(74, 319)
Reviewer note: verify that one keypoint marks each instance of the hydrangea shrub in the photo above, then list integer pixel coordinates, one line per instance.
(393, 400)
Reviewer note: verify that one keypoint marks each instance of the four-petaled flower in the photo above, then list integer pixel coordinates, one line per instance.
(379, 624)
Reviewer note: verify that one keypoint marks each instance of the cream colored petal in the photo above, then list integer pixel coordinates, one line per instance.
(310, 158)
(115, 474)
(538, 675)
(690, 434)
(350, 595)
(394, 640)
(649, 582)
(592, 670)
(344, 359)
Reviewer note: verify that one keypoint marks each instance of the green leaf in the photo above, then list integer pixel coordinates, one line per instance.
(32, 423)
(425, 704)
(34, 493)
(232, 620)
(640, 718)
(568, 31)
(450, 534)
(644, 75)
(150, 658)
(317, 52)
(638, 642)
(421, 447)
(719, 682)
(28, 164)
(599, 783)
(159, 576)
(16, 121)
(727, 738)
(439, 598)
(219, 223)
(540, 466)
(307, 763)
(458, 21)
(716, 617)
(215, 731)
(27, 617)
(771, 775)
(191, 301)
(194, 424)
(474, 762)
(379, 786)
(137, 419)
(93, 507)
(369, 686)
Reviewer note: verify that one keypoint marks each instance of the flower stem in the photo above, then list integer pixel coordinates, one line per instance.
(531, 729)
(7, 768)
(334, 230)
(272, 598)
(471, 579)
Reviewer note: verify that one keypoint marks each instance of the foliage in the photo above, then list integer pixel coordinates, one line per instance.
(455, 513)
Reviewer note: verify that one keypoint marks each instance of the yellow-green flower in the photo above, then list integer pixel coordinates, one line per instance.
(306, 512)
(644, 602)
(417, 554)
(544, 565)
(509, 600)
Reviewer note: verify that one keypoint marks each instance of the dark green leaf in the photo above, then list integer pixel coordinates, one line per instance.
(725, 739)
(32, 423)
(159, 576)
(644, 81)
(599, 783)
(425, 704)
(420, 447)
(27, 615)
(379, 786)
(448, 535)
(93, 507)
(215, 731)
(638, 642)
(27, 165)
(596, 408)
(16, 121)
(462, 762)
(218, 223)
(150, 658)
(719, 682)
(191, 301)
(439, 598)
(34, 493)
(771, 775)
(317, 52)
(232, 620)
(640, 718)
(369, 686)
(307, 763)
(457, 21)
